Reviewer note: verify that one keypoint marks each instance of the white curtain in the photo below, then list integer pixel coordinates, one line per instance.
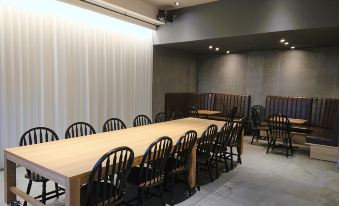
(56, 70)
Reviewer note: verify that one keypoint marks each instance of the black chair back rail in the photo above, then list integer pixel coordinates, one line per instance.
(179, 158)
(106, 184)
(279, 126)
(161, 117)
(38, 135)
(79, 129)
(152, 167)
(114, 124)
(206, 142)
(178, 115)
(141, 120)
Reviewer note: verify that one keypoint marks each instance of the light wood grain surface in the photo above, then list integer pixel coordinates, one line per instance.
(69, 161)
(208, 112)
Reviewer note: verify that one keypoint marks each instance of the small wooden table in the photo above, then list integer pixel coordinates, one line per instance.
(206, 113)
(70, 161)
(298, 121)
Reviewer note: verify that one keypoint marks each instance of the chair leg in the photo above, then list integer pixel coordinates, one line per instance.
(253, 137)
(172, 189)
(231, 151)
(29, 186)
(274, 140)
(239, 156)
(225, 159)
(291, 147)
(140, 197)
(161, 196)
(270, 140)
(286, 147)
(44, 192)
(56, 189)
(217, 166)
(210, 170)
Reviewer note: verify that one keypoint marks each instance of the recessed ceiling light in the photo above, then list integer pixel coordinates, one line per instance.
(217, 49)
(210, 47)
(292, 47)
(282, 40)
(286, 43)
(227, 52)
(177, 3)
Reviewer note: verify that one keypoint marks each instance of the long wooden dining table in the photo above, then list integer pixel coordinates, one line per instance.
(70, 161)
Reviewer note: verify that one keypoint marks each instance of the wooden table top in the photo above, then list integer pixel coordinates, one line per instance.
(208, 112)
(298, 121)
(76, 157)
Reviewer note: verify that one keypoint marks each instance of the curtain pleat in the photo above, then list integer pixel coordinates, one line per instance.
(55, 71)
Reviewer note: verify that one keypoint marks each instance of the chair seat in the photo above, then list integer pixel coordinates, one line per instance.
(97, 199)
(134, 176)
(203, 156)
(35, 177)
(171, 164)
(218, 148)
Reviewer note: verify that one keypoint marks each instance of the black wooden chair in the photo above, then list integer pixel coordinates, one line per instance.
(235, 142)
(193, 113)
(151, 171)
(35, 136)
(141, 120)
(257, 116)
(231, 114)
(161, 117)
(79, 129)
(107, 181)
(178, 162)
(204, 150)
(177, 115)
(279, 127)
(113, 124)
(220, 146)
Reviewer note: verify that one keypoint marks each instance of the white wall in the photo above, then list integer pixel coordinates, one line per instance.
(60, 64)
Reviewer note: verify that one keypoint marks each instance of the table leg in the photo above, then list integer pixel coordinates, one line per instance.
(10, 180)
(192, 169)
(72, 193)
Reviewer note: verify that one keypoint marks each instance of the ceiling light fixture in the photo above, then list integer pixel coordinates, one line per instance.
(210, 47)
(286, 43)
(177, 3)
(292, 47)
(227, 52)
(217, 49)
(282, 40)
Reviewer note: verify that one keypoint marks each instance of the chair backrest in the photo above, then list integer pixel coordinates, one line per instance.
(38, 135)
(257, 115)
(152, 167)
(161, 117)
(107, 181)
(236, 133)
(178, 115)
(79, 129)
(206, 142)
(141, 120)
(113, 124)
(193, 113)
(230, 116)
(279, 125)
(182, 151)
(222, 138)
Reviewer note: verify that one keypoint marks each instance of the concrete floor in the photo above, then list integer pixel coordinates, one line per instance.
(262, 180)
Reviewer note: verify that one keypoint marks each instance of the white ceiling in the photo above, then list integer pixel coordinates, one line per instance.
(169, 4)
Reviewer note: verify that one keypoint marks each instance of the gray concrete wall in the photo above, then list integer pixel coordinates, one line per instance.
(173, 71)
(227, 18)
(310, 72)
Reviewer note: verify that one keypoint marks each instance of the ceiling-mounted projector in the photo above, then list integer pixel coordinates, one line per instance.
(165, 16)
